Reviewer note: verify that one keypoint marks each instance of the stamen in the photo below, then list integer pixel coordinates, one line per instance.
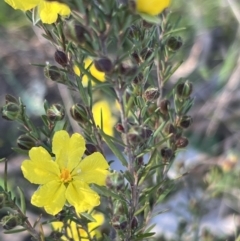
(65, 175)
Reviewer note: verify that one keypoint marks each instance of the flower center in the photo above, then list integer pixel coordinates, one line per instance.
(65, 175)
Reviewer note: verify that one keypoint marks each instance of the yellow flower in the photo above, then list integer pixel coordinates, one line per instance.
(75, 231)
(48, 11)
(152, 7)
(68, 177)
(102, 109)
(94, 72)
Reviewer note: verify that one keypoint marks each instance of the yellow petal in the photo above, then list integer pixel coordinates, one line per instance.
(23, 5)
(80, 196)
(49, 11)
(68, 150)
(51, 196)
(74, 230)
(99, 217)
(76, 150)
(108, 120)
(94, 72)
(92, 169)
(60, 141)
(76, 70)
(152, 7)
(60, 145)
(40, 169)
(57, 226)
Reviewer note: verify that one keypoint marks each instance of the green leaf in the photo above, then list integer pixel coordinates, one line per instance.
(2, 159)
(144, 235)
(22, 200)
(88, 216)
(35, 16)
(106, 192)
(114, 149)
(128, 176)
(45, 120)
(150, 228)
(141, 209)
(20, 151)
(174, 31)
(160, 212)
(150, 19)
(46, 105)
(15, 231)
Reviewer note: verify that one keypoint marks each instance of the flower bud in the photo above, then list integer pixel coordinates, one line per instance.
(138, 135)
(123, 225)
(11, 99)
(119, 223)
(55, 113)
(127, 70)
(103, 65)
(181, 142)
(139, 161)
(75, 32)
(146, 53)
(134, 138)
(90, 149)
(10, 222)
(184, 90)
(174, 43)
(166, 153)
(52, 73)
(164, 106)
(134, 223)
(151, 94)
(119, 127)
(146, 133)
(79, 113)
(184, 121)
(115, 222)
(61, 58)
(170, 129)
(136, 57)
(10, 111)
(80, 33)
(26, 142)
(138, 79)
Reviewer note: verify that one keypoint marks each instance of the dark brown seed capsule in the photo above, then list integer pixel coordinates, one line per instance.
(61, 58)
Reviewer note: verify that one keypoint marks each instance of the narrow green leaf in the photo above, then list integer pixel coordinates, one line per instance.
(174, 31)
(114, 149)
(141, 209)
(35, 16)
(88, 216)
(128, 176)
(150, 228)
(20, 151)
(160, 212)
(106, 192)
(15, 231)
(2, 159)
(144, 235)
(160, 128)
(22, 200)
(150, 19)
